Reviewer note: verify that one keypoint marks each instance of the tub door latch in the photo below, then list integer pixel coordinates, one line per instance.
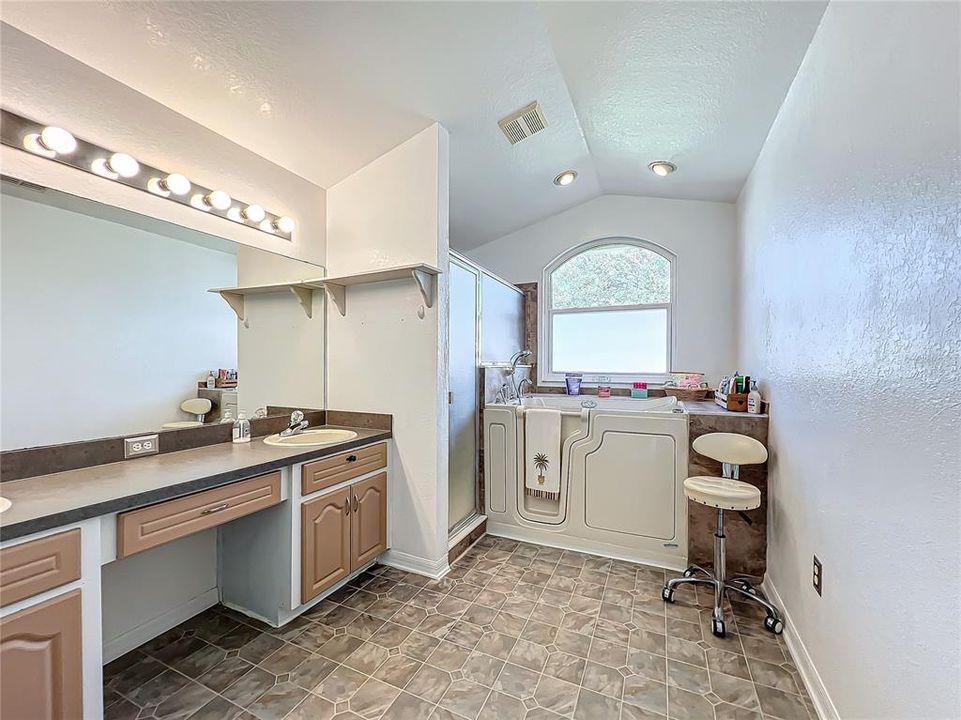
(670, 545)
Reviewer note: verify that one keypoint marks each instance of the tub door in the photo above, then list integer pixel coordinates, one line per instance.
(628, 477)
(630, 485)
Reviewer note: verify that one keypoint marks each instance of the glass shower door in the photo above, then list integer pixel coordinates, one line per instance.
(463, 359)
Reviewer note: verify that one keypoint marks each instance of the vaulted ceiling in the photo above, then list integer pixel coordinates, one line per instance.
(323, 88)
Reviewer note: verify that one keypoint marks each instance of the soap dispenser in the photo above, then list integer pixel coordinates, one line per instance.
(754, 399)
(241, 433)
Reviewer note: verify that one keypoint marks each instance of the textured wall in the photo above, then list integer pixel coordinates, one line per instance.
(851, 313)
(701, 234)
(386, 355)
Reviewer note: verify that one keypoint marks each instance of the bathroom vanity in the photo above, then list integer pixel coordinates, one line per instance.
(292, 524)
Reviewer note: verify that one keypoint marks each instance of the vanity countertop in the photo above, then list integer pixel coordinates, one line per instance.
(48, 501)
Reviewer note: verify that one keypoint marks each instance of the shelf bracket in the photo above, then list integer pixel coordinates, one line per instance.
(427, 284)
(236, 302)
(338, 294)
(305, 296)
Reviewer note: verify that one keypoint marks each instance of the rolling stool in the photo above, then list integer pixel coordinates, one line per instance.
(725, 493)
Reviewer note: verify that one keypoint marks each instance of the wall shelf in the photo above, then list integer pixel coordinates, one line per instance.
(425, 277)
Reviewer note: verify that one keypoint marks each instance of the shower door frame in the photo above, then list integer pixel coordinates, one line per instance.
(471, 517)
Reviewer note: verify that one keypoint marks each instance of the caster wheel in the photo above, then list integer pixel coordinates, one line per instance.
(773, 625)
(667, 595)
(747, 587)
(689, 573)
(718, 628)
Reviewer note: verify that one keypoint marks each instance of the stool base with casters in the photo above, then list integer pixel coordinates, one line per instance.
(696, 575)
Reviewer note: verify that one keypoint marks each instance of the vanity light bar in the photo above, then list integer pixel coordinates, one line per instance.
(59, 145)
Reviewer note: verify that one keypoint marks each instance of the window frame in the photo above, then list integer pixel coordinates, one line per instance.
(546, 375)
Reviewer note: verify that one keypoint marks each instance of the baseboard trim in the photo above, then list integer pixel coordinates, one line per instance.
(434, 569)
(592, 547)
(134, 638)
(802, 659)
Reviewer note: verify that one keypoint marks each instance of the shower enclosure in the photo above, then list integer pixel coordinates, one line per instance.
(486, 326)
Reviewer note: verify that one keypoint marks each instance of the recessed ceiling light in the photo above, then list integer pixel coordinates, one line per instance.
(663, 168)
(565, 178)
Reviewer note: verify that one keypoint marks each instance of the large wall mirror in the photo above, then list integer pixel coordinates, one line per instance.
(107, 324)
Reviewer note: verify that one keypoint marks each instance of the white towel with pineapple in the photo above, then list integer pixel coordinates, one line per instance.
(542, 464)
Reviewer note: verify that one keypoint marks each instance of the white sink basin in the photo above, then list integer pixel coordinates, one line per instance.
(4, 504)
(310, 438)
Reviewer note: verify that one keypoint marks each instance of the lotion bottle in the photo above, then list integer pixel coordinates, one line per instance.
(241, 432)
(754, 400)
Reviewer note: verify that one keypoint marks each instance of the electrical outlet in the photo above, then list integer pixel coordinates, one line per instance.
(139, 446)
(818, 576)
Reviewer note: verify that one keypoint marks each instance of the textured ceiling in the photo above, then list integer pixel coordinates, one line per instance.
(323, 88)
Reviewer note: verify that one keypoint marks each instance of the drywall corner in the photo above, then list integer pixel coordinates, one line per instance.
(388, 353)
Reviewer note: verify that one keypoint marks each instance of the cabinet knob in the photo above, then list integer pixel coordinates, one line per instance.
(351, 458)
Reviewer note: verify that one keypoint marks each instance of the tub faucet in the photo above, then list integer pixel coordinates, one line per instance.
(514, 391)
(516, 358)
(297, 424)
(530, 387)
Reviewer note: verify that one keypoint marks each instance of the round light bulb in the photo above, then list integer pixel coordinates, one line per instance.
(218, 199)
(32, 143)
(285, 224)
(102, 168)
(176, 183)
(123, 164)
(254, 213)
(199, 201)
(58, 140)
(662, 168)
(565, 178)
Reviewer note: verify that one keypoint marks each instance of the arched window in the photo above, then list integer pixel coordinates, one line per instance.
(605, 311)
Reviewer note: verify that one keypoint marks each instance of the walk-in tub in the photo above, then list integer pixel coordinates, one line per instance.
(623, 465)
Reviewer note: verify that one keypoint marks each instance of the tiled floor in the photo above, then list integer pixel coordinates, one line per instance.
(514, 631)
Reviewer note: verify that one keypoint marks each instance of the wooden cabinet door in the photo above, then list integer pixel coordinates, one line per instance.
(325, 538)
(368, 525)
(42, 659)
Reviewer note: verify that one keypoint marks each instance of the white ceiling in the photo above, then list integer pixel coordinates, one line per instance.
(323, 88)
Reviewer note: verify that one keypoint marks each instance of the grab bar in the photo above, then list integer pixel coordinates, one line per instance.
(520, 409)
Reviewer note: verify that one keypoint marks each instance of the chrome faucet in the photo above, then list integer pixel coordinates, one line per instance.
(516, 358)
(297, 424)
(530, 387)
(513, 391)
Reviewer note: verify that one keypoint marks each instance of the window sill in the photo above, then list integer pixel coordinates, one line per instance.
(657, 381)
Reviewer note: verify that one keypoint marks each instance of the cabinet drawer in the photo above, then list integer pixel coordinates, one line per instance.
(32, 567)
(142, 529)
(343, 466)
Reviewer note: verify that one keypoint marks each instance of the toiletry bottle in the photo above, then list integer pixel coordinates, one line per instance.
(754, 399)
(241, 432)
(211, 380)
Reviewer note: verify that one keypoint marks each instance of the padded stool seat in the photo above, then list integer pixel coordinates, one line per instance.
(722, 493)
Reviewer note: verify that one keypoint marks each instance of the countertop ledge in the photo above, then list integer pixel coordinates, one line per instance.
(709, 407)
(49, 501)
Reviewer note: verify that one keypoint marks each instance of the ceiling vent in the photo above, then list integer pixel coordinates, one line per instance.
(524, 123)
(22, 183)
